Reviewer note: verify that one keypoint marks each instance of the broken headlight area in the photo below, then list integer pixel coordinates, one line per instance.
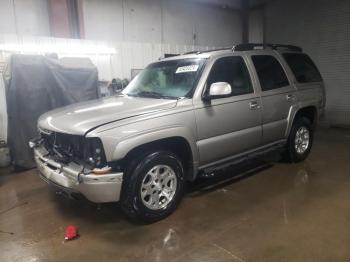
(66, 148)
(94, 152)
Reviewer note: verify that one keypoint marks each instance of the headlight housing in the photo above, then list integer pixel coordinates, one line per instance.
(94, 154)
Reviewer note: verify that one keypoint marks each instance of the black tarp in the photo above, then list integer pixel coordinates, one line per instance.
(36, 84)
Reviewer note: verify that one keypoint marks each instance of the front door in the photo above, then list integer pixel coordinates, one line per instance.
(231, 125)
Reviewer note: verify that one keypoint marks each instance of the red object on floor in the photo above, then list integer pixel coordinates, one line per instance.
(71, 233)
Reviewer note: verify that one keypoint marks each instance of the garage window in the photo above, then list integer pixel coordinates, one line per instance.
(270, 72)
(303, 68)
(233, 71)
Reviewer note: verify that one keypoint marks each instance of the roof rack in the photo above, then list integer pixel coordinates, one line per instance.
(207, 51)
(250, 46)
(192, 52)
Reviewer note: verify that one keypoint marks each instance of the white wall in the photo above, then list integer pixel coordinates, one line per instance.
(157, 21)
(28, 17)
(196, 22)
(322, 29)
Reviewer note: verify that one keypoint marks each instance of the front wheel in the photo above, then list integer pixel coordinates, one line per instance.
(300, 140)
(153, 187)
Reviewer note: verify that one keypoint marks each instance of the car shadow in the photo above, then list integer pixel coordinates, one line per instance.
(226, 177)
(112, 213)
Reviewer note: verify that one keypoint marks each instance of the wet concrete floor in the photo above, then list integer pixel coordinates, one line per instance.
(281, 212)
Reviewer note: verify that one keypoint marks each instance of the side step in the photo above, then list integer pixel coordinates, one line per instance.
(209, 171)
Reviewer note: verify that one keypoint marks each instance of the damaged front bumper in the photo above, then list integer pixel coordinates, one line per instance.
(72, 178)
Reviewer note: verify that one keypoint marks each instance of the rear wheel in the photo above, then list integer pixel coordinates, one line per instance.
(153, 187)
(300, 140)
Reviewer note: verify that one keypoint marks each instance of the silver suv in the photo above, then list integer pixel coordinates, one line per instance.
(180, 118)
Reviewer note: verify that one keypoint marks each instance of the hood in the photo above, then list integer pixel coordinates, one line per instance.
(80, 118)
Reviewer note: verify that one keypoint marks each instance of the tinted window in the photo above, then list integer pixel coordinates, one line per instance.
(233, 71)
(270, 72)
(303, 68)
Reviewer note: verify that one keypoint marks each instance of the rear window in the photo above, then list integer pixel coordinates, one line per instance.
(303, 68)
(270, 72)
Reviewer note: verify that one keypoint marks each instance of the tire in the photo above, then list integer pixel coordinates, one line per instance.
(157, 172)
(297, 150)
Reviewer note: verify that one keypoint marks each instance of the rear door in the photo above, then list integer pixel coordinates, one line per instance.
(278, 95)
(230, 125)
(307, 79)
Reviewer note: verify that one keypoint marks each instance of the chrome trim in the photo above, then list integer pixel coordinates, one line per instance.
(246, 153)
(302, 140)
(158, 187)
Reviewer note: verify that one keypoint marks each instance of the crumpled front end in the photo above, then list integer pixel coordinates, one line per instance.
(76, 164)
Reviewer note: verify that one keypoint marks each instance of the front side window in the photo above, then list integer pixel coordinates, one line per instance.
(270, 72)
(232, 70)
(303, 68)
(168, 79)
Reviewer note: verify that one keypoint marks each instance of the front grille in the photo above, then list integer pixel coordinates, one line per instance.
(64, 148)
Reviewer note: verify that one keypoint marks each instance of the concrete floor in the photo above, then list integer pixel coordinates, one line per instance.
(284, 212)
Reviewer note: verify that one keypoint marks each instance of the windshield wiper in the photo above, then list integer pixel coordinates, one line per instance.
(152, 94)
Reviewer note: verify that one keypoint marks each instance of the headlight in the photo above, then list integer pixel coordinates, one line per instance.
(94, 153)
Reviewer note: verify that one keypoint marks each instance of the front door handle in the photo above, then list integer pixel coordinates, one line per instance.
(290, 97)
(253, 105)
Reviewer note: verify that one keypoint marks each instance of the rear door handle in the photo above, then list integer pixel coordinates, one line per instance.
(290, 97)
(253, 105)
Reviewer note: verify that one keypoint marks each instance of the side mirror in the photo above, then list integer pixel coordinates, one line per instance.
(218, 90)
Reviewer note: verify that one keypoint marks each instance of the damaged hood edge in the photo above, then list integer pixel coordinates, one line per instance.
(82, 118)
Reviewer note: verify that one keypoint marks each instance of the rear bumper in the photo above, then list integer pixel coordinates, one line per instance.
(73, 179)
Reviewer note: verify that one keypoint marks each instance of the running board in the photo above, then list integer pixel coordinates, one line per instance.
(209, 170)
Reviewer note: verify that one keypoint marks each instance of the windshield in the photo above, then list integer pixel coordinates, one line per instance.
(167, 79)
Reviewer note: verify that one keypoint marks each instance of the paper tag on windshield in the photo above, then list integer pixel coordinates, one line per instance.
(189, 68)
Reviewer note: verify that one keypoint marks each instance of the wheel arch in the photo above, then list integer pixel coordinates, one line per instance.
(308, 111)
(177, 142)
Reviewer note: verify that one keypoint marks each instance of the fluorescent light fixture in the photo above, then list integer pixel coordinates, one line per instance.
(59, 48)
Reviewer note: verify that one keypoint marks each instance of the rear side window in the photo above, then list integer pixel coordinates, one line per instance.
(270, 72)
(303, 68)
(233, 71)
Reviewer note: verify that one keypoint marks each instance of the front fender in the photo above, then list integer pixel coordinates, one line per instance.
(129, 143)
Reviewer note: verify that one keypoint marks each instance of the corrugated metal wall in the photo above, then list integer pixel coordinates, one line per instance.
(184, 22)
(162, 21)
(322, 28)
(117, 61)
(256, 26)
(132, 55)
(24, 17)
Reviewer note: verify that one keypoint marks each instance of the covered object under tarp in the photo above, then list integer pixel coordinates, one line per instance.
(36, 84)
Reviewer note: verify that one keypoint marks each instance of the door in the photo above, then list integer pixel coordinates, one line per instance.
(230, 125)
(277, 96)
